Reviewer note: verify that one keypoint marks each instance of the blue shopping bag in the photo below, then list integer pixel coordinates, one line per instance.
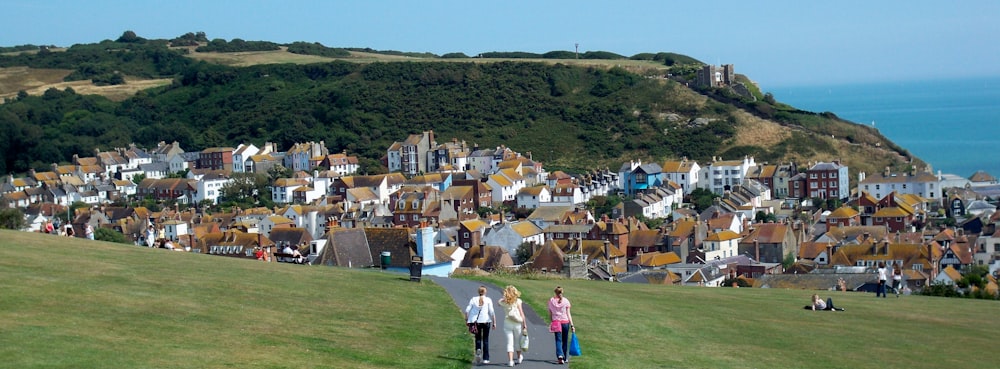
(574, 345)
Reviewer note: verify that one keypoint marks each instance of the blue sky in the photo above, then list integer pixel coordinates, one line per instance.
(775, 43)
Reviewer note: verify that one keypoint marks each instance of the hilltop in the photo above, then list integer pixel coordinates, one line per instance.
(573, 114)
(79, 303)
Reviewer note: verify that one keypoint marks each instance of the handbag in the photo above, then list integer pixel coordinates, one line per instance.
(474, 326)
(524, 340)
(574, 346)
(555, 326)
(515, 314)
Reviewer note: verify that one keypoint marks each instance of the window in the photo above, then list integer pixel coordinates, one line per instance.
(833, 184)
(812, 184)
(415, 217)
(796, 184)
(833, 175)
(682, 177)
(812, 175)
(876, 187)
(465, 235)
(996, 247)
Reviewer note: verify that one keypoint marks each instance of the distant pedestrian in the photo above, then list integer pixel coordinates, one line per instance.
(480, 312)
(151, 236)
(69, 230)
(562, 321)
(49, 228)
(88, 232)
(897, 279)
(882, 276)
(514, 323)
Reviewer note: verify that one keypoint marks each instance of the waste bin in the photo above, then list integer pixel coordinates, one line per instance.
(386, 259)
(416, 268)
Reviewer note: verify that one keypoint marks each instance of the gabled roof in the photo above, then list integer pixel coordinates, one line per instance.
(645, 238)
(533, 190)
(683, 166)
(525, 228)
(550, 213)
(891, 212)
(843, 212)
(487, 257)
(292, 236)
(396, 241)
(346, 247)
(772, 233)
(725, 235)
(473, 224)
(655, 259)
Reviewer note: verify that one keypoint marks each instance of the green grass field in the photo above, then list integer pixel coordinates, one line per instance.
(84, 304)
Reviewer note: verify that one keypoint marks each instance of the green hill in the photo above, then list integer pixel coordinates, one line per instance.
(570, 114)
(75, 303)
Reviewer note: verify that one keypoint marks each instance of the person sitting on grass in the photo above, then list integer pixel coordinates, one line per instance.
(819, 304)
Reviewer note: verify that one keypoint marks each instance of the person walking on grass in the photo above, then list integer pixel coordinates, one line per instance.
(514, 323)
(562, 324)
(882, 276)
(480, 312)
(897, 279)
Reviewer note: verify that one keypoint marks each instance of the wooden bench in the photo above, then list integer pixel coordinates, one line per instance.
(289, 258)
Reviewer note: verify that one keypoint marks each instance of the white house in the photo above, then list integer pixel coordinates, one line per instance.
(568, 193)
(209, 187)
(531, 197)
(505, 184)
(270, 223)
(241, 154)
(174, 229)
(922, 184)
(721, 244)
(721, 175)
(683, 172)
(282, 188)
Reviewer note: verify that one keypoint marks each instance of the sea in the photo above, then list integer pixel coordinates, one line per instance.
(954, 125)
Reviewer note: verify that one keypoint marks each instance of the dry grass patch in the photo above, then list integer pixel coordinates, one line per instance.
(35, 81)
(754, 131)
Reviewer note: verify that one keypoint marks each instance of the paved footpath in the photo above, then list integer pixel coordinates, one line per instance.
(542, 348)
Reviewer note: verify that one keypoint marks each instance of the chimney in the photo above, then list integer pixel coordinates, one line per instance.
(756, 247)
(607, 250)
(829, 253)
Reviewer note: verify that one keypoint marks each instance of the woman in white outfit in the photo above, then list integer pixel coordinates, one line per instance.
(514, 323)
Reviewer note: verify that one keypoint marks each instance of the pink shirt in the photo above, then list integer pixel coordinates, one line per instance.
(558, 310)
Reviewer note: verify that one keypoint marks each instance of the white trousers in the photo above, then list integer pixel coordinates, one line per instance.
(512, 330)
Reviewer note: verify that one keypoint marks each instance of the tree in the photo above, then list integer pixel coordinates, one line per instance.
(12, 218)
(523, 253)
(129, 37)
(763, 217)
(788, 261)
(702, 198)
(110, 235)
(244, 189)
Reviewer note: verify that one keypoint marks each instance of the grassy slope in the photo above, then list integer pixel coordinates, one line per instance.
(76, 303)
(35, 81)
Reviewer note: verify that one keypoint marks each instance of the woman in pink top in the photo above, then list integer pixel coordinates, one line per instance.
(559, 312)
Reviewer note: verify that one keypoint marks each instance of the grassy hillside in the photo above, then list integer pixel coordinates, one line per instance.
(571, 114)
(81, 304)
(76, 303)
